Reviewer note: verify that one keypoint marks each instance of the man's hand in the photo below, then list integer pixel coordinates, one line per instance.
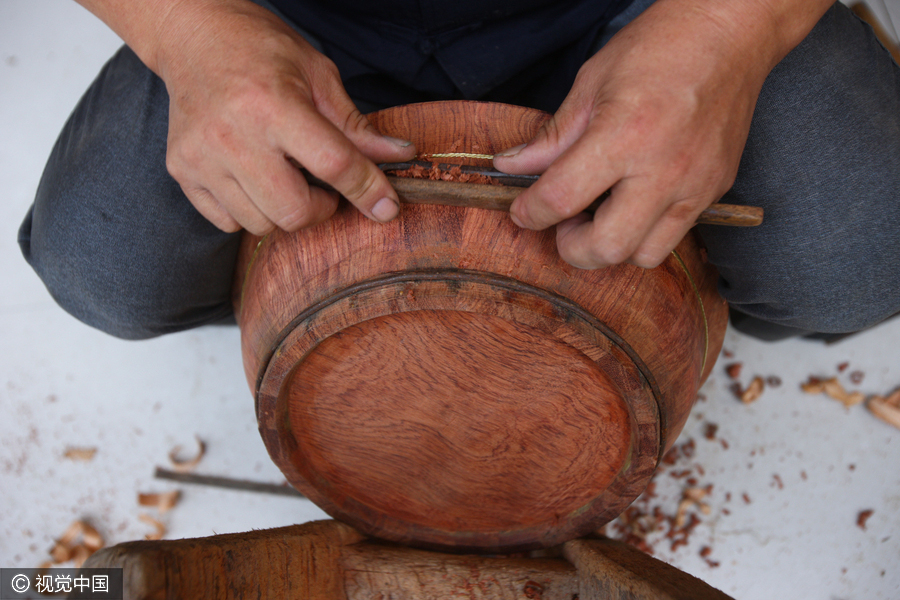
(659, 117)
(247, 94)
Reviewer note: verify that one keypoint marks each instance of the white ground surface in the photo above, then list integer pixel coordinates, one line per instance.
(64, 385)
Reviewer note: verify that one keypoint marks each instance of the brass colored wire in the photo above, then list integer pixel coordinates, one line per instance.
(461, 155)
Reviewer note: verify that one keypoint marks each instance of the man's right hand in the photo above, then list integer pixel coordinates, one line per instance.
(247, 94)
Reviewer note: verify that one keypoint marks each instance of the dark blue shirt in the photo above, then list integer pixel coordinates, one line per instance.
(400, 51)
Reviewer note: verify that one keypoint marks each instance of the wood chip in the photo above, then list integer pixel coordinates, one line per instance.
(691, 497)
(814, 385)
(92, 538)
(160, 528)
(182, 465)
(163, 502)
(76, 544)
(833, 389)
(753, 391)
(862, 517)
(84, 454)
(734, 370)
(886, 408)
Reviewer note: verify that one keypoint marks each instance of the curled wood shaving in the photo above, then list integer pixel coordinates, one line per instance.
(833, 389)
(183, 466)
(814, 385)
(753, 391)
(68, 547)
(80, 453)
(886, 408)
(162, 502)
(691, 497)
(160, 528)
(862, 517)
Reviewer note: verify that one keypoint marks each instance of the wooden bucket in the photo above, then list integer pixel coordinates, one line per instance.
(447, 381)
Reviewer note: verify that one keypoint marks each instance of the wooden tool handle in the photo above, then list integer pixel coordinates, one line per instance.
(499, 197)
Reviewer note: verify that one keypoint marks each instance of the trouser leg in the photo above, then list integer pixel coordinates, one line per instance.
(111, 234)
(823, 160)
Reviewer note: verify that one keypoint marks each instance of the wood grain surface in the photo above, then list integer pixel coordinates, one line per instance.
(290, 562)
(326, 560)
(420, 439)
(409, 376)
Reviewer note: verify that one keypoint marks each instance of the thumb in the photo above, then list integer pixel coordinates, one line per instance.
(553, 138)
(338, 108)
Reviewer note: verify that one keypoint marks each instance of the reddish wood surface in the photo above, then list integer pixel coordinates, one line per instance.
(326, 560)
(445, 380)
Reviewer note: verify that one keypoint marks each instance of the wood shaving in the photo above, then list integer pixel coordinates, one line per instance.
(435, 173)
(814, 385)
(160, 528)
(734, 370)
(162, 502)
(862, 517)
(886, 408)
(84, 454)
(691, 498)
(833, 389)
(753, 391)
(76, 544)
(184, 466)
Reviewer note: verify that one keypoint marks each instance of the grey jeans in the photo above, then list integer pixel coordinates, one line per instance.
(120, 247)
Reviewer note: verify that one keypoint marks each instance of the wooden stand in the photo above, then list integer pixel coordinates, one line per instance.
(326, 560)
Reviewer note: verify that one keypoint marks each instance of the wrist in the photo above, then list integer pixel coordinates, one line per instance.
(767, 29)
(154, 29)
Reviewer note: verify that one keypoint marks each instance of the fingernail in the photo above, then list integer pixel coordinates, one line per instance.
(511, 151)
(398, 142)
(385, 210)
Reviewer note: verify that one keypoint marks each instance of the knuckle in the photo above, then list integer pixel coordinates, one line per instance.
(683, 210)
(355, 121)
(294, 220)
(260, 227)
(610, 250)
(335, 166)
(362, 186)
(301, 217)
(575, 259)
(179, 161)
(352, 178)
(550, 133)
(648, 259)
(325, 66)
(227, 224)
(613, 254)
(174, 166)
(560, 201)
